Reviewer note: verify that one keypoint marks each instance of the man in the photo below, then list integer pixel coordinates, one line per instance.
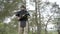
(22, 16)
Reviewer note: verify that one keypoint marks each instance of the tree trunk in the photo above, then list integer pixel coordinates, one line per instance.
(39, 24)
(58, 28)
(36, 5)
(37, 8)
(46, 30)
(58, 32)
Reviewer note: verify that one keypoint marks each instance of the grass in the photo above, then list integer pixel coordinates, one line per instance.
(43, 32)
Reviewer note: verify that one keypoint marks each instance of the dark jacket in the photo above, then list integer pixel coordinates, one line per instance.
(22, 12)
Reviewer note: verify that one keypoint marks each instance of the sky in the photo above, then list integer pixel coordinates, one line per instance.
(32, 7)
(57, 1)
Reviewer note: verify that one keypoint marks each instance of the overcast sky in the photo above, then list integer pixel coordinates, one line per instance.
(58, 1)
(30, 7)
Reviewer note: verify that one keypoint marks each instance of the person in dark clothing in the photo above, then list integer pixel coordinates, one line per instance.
(23, 16)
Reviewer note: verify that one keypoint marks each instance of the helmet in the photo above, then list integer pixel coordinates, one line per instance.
(22, 6)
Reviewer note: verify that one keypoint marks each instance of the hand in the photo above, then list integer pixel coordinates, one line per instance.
(23, 15)
(18, 18)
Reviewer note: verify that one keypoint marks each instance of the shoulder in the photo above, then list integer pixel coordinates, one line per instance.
(18, 11)
(26, 11)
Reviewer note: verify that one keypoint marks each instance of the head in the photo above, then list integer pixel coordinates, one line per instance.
(23, 7)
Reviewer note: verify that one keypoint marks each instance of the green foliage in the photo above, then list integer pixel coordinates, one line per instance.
(8, 6)
(7, 9)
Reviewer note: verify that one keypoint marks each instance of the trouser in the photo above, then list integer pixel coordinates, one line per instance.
(22, 24)
(23, 27)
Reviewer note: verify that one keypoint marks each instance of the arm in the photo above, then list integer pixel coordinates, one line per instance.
(28, 15)
(18, 15)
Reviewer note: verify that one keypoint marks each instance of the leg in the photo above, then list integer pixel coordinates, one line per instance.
(20, 29)
(26, 29)
(22, 25)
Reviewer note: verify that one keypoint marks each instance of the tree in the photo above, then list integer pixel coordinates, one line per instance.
(57, 21)
(7, 10)
(50, 18)
(8, 6)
